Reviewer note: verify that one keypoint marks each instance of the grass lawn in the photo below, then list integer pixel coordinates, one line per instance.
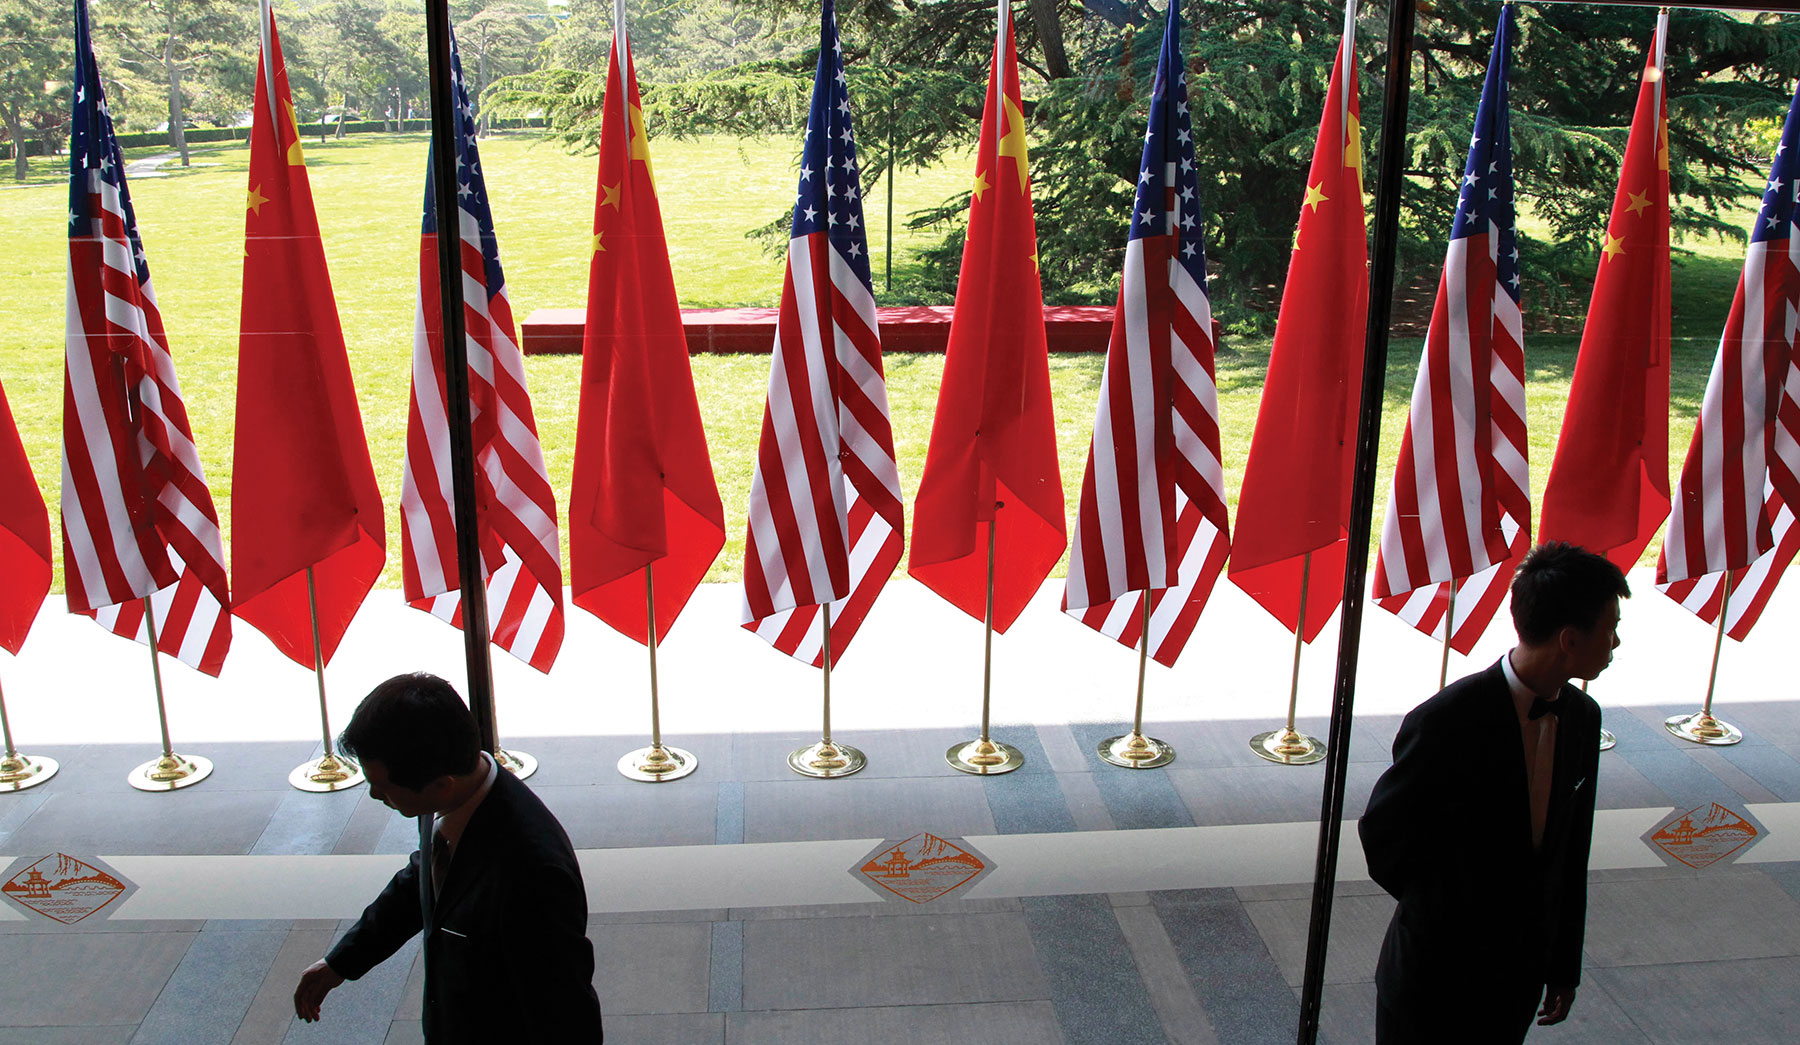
(713, 190)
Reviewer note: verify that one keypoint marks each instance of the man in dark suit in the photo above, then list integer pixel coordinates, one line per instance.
(497, 893)
(1481, 826)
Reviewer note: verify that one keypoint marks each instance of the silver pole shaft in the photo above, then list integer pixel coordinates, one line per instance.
(312, 606)
(650, 612)
(1299, 632)
(1137, 721)
(162, 711)
(987, 624)
(6, 727)
(1718, 640)
(826, 735)
(1449, 629)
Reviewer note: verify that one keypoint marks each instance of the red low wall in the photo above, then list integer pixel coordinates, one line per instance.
(912, 328)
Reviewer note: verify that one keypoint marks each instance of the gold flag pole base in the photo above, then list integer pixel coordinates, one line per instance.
(1136, 751)
(1702, 728)
(984, 757)
(171, 772)
(826, 759)
(518, 763)
(1288, 747)
(657, 763)
(1607, 740)
(18, 772)
(329, 772)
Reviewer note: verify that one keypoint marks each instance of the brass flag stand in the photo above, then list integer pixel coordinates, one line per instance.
(1288, 746)
(1134, 750)
(18, 772)
(826, 759)
(655, 763)
(982, 756)
(171, 772)
(331, 771)
(1701, 727)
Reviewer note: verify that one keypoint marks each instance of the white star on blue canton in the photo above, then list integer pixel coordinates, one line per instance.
(1143, 175)
(810, 214)
(805, 171)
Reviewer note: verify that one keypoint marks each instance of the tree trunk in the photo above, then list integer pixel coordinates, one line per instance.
(1050, 35)
(177, 132)
(15, 129)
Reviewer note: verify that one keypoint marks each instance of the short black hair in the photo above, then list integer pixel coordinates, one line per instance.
(417, 727)
(1561, 585)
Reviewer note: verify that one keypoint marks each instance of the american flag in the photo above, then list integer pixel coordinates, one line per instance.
(1459, 512)
(1734, 506)
(1152, 517)
(825, 507)
(516, 509)
(137, 517)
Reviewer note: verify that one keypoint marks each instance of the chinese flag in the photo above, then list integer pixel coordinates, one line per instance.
(643, 486)
(1608, 489)
(1296, 494)
(303, 493)
(992, 457)
(24, 537)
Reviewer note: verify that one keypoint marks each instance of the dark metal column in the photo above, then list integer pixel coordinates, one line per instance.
(456, 370)
(1388, 186)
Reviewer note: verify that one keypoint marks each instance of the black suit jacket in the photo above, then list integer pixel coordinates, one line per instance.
(506, 950)
(1483, 920)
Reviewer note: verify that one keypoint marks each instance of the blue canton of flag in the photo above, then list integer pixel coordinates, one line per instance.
(830, 191)
(1486, 201)
(93, 148)
(1168, 189)
(1775, 220)
(471, 186)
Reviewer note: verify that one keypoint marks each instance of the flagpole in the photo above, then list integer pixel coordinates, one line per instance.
(472, 583)
(1288, 746)
(1449, 630)
(657, 762)
(171, 772)
(1701, 727)
(18, 772)
(1134, 750)
(827, 759)
(330, 772)
(982, 756)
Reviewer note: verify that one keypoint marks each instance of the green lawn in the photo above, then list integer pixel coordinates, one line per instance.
(369, 191)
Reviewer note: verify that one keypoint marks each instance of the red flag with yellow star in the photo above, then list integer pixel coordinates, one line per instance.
(643, 494)
(1294, 507)
(303, 492)
(992, 458)
(1608, 489)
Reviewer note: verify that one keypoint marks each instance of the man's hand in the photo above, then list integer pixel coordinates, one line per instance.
(1557, 1003)
(317, 981)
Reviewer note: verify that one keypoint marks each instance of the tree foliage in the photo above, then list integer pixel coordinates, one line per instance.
(33, 58)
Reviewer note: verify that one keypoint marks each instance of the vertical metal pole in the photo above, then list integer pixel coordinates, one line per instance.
(1137, 719)
(1299, 642)
(312, 604)
(825, 736)
(893, 168)
(650, 616)
(1449, 630)
(1392, 151)
(1712, 677)
(987, 637)
(162, 710)
(456, 371)
(6, 729)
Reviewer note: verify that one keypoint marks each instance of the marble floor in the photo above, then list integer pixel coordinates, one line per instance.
(729, 907)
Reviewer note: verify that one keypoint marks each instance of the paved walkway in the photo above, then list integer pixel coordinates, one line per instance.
(1165, 905)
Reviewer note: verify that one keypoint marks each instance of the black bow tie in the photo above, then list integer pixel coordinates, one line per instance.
(1541, 707)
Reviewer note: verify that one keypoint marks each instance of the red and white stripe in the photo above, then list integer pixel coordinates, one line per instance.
(516, 508)
(1752, 586)
(1126, 542)
(1459, 510)
(1717, 518)
(825, 505)
(138, 519)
